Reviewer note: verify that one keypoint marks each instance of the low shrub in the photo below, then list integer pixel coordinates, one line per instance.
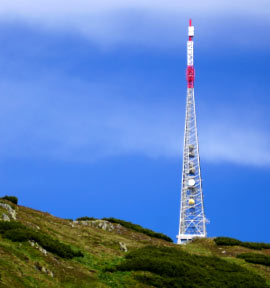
(255, 258)
(5, 226)
(17, 232)
(139, 228)
(19, 235)
(86, 218)
(256, 246)
(169, 267)
(227, 241)
(56, 246)
(12, 199)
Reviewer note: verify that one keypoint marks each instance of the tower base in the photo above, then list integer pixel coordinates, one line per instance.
(185, 238)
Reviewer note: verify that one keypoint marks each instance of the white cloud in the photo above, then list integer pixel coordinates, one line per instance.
(142, 22)
(236, 143)
(74, 122)
(83, 7)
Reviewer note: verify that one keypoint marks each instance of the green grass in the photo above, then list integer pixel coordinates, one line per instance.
(86, 218)
(139, 229)
(227, 241)
(12, 199)
(17, 232)
(255, 258)
(20, 262)
(172, 267)
(199, 246)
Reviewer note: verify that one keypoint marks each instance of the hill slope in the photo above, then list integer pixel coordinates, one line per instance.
(40, 260)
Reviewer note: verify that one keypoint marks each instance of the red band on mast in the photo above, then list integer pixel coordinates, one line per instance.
(190, 74)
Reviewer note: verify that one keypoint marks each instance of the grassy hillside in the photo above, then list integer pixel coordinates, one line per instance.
(40, 250)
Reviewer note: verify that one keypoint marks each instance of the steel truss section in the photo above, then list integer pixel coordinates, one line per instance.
(192, 218)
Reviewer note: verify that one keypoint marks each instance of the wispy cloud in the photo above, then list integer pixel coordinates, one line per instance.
(147, 23)
(71, 120)
(234, 139)
(84, 7)
(48, 113)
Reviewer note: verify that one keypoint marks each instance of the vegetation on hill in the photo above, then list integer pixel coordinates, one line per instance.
(139, 229)
(17, 232)
(227, 241)
(255, 258)
(171, 267)
(86, 218)
(12, 199)
(49, 259)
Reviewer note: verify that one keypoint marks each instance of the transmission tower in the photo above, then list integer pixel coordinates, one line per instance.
(192, 218)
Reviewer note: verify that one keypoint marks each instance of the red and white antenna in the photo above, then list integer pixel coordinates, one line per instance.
(190, 68)
(192, 218)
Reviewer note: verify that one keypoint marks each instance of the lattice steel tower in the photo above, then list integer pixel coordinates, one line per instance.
(192, 218)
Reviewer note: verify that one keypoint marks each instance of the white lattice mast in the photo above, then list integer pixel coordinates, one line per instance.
(192, 218)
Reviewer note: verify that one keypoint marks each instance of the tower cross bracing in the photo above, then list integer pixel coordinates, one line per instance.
(192, 218)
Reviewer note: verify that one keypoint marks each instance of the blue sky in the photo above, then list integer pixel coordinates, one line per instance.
(92, 109)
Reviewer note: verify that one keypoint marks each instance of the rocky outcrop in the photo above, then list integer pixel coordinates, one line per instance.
(5, 217)
(123, 247)
(35, 244)
(44, 270)
(101, 224)
(10, 210)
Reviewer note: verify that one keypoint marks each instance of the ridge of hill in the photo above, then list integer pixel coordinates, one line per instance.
(40, 250)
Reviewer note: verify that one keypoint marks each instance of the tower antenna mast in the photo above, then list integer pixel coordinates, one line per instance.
(192, 218)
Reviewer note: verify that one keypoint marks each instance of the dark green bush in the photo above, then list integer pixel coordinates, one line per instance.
(166, 267)
(255, 258)
(256, 246)
(5, 226)
(18, 235)
(55, 246)
(12, 199)
(86, 218)
(139, 228)
(17, 232)
(227, 241)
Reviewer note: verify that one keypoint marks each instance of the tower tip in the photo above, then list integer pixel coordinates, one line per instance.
(190, 30)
